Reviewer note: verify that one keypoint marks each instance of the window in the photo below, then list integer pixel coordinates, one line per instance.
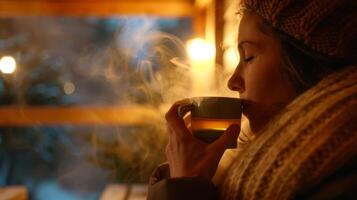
(82, 108)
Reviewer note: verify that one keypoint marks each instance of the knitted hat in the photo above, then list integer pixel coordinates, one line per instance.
(326, 26)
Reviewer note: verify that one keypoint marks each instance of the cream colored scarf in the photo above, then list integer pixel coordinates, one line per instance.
(310, 139)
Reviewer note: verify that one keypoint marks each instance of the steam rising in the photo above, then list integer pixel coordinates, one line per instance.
(59, 65)
(147, 67)
(138, 65)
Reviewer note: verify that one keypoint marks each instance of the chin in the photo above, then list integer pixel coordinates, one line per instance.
(259, 114)
(250, 113)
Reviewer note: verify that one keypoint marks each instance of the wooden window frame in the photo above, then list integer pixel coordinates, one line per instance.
(128, 115)
(94, 115)
(172, 8)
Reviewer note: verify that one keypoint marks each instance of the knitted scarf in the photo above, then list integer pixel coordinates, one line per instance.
(314, 136)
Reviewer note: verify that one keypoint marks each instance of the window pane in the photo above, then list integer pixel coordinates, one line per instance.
(78, 162)
(76, 60)
(85, 61)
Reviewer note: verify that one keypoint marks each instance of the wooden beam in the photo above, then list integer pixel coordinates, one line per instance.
(13, 193)
(90, 115)
(219, 25)
(199, 22)
(174, 8)
(219, 38)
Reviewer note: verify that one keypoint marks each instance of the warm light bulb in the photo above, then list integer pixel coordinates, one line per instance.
(199, 50)
(7, 65)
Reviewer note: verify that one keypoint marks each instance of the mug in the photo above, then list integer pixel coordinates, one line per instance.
(211, 116)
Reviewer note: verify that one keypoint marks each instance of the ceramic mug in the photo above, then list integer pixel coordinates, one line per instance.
(211, 116)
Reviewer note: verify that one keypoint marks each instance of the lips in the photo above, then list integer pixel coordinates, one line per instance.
(246, 104)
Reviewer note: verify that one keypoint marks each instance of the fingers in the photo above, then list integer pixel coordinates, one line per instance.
(227, 140)
(183, 109)
(175, 123)
(179, 108)
(168, 153)
(189, 156)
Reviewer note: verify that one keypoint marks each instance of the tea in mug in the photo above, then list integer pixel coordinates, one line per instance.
(211, 116)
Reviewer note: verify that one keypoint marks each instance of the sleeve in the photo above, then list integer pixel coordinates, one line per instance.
(161, 187)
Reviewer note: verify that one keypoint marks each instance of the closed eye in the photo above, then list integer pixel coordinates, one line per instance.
(248, 59)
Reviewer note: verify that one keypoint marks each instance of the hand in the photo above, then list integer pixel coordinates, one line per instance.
(187, 155)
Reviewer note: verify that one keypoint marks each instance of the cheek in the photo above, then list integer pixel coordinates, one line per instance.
(264, 80)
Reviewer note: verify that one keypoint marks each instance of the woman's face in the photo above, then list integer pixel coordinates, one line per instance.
(258, 78)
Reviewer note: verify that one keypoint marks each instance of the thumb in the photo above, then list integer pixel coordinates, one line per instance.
(228, 139)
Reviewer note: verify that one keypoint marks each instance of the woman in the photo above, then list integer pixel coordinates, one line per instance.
(296, 58)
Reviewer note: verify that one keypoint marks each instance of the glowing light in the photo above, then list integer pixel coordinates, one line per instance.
(199, 50)
(69, 88)
(231, 58)
(202, 57)
(7, 65)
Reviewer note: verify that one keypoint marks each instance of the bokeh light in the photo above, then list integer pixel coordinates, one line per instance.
(7, 65)
(200, 50)
(231, 58)
(69, 88)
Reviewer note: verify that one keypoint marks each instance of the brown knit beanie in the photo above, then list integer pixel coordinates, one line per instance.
(327, 26)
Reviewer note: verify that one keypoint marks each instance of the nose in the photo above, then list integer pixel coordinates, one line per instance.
(236, 82)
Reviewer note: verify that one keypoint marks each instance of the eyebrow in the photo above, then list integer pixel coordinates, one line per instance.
(240, 45)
